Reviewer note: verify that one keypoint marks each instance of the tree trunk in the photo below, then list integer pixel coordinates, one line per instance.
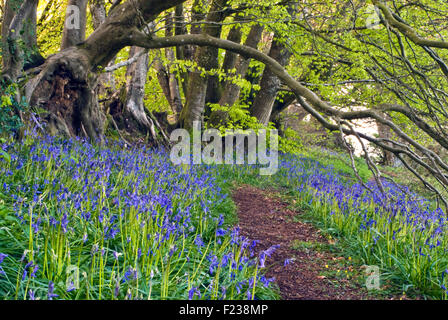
(8, 15)
(235, 35)
(164, 79)
(33, 58)
(106, 81)
(232, 91)
(175, 97)
(182, 52)
(19, 22)
(66, 84)
(75, 23)
(280, 106)
(135, 89)
(206, 58)
(270, 83)
(98, 11)
(66, 88)
(387, 158)
(215, 87)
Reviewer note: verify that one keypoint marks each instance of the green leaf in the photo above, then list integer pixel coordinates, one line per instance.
(6, 101)
(5, 156)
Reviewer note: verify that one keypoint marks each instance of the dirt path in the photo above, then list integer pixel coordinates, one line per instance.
(313, 274)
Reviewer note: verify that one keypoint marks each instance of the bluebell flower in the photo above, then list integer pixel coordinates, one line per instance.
(32, 295)
(192, 292)
(51, 293)
(221, 232)
(71, 287)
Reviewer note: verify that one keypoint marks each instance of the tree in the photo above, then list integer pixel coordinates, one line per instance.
(75, 23)
(207, 58)
(19, 22)
(337, 63)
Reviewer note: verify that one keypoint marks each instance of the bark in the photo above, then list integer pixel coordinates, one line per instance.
(19, 22)
(106, 81)
(235, 35)
(215, 87)
(66, 84)
(232, 91)
(280, 106)
(270, 84)
(29, 37)
(175, 94)
(387, 158)
(75, 23)
(134, 108)
(182, 52)
(213, 94)
(8, 15)
(98, 11)
(175, 97)
(167, 80)
(206, 58)
(66, 89)
(163, 78)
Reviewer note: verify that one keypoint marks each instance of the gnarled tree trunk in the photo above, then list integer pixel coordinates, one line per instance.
(135, 88)
(66, 84)
(65, 87)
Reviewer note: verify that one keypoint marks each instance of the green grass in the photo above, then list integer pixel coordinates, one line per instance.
(111, 223)
(400, 271)
(341, 163)
(49, 185)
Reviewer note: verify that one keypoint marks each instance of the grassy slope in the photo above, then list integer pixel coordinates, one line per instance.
(393, 281)
(61, 200)
(227, 178)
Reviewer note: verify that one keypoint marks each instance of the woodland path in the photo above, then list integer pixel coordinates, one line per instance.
(312, 274)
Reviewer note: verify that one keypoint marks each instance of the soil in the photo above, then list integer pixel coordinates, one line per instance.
(312, 274)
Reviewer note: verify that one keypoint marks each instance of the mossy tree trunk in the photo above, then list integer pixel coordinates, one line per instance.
(65, 85)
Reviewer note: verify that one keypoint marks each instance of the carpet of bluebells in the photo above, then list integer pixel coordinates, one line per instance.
(84, 222)
(398, 230)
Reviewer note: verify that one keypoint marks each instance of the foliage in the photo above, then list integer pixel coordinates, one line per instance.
(80, 222)
(398, 231)
(340, 163)
(50, 25)
(291, 142)
(9, 108)
(238, 117)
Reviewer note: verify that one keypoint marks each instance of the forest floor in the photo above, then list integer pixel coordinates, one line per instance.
(318, 270)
